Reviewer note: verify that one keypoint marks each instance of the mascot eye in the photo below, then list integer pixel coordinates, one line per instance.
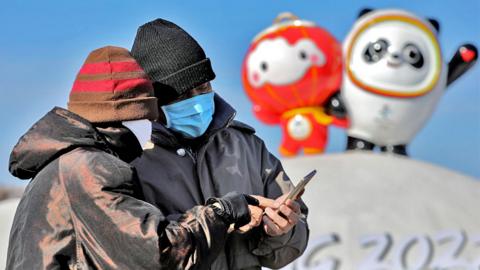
(375, 51)
(264, 66)
(412, 55)
(303, 55)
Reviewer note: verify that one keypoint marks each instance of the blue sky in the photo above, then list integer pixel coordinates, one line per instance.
(44, 43)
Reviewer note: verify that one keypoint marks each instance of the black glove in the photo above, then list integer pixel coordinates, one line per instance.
(234, 208)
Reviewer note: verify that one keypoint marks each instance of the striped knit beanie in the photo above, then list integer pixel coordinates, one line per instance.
(171, 57)
(112, 87)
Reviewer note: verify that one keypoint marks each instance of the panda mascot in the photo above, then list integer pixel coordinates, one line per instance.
(394, 76)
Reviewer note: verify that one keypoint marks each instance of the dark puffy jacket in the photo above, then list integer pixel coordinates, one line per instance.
(80, 211)
(177, 175)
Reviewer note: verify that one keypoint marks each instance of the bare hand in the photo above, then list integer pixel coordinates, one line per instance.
(264, 202)
(256, 214)
(280, 218)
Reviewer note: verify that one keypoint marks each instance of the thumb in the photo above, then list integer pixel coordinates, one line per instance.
(264, 202)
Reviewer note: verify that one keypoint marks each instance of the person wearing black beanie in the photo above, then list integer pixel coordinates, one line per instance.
(174, 60)
(198, 151)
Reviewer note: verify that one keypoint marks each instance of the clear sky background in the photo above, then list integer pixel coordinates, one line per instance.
(44, 43)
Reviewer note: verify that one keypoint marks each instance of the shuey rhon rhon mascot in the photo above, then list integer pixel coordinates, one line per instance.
(292, 73)
(394, 75)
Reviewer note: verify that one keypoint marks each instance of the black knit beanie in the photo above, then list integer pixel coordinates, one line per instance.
(171, 57)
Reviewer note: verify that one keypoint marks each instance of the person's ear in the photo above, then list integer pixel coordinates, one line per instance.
(165, 94)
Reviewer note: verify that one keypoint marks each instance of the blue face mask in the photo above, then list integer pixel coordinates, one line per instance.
(190, 117)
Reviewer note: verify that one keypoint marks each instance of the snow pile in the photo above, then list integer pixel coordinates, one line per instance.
(7, 211)
(373, 211)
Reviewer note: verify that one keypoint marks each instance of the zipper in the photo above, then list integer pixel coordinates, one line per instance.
(193, 157)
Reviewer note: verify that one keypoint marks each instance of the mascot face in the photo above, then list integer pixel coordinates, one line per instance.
(277, 62)
(393, 55)
(291, 65)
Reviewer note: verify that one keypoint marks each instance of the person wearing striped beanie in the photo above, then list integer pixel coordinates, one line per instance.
(82, 208)
(112, 87)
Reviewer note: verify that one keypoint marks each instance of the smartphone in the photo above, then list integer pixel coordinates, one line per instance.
(294, 194)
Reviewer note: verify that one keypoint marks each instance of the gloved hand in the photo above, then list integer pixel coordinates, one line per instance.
(233, 207)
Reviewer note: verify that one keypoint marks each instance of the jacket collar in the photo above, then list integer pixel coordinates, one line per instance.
(222, 118)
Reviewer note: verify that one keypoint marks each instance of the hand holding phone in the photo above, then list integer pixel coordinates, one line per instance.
(297, 191)
(281, 219)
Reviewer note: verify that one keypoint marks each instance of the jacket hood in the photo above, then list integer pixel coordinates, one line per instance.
(58, 132)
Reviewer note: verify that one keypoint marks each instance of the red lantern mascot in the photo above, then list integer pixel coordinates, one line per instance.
(292, 73)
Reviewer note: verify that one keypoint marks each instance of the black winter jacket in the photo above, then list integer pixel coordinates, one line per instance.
(176, 175)
(80, 210)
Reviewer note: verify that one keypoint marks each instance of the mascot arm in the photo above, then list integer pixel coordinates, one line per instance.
(336, 108)
(265, 115)
(461, 62)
